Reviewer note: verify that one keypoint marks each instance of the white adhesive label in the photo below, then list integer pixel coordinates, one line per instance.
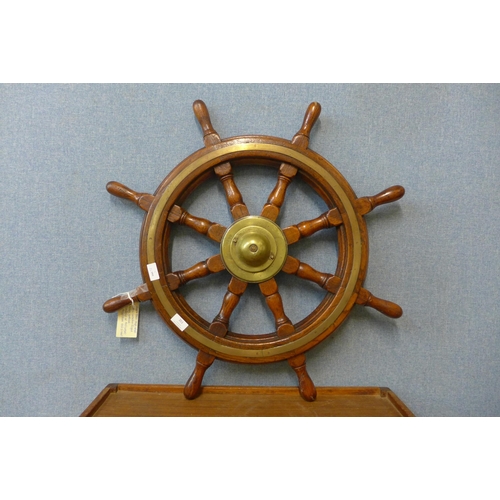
(153, 271)
(179, 322)
(128, 321)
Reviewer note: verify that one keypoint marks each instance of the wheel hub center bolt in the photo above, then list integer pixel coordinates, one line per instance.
(253, 248)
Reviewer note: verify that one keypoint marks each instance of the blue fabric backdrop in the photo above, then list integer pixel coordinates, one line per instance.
(67, 245)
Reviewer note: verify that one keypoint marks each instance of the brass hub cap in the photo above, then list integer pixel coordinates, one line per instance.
(254, 249)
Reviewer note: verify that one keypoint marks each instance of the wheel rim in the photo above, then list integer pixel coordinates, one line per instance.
(352, 261)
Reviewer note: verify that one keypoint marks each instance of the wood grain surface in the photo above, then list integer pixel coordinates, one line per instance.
(138, 400)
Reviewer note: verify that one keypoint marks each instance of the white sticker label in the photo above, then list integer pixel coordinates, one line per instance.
(153, 272)
(179, 322)
(128, 321)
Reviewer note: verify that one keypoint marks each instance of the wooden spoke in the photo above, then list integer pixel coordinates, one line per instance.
(193, 385)
(366, 298)
(180, 216)
(233, 195)
(140, 294)
(142, 200)
(212, 265)
(329, 282)
(333, 217)
(307, 228)
(306, 386)
(287, 172)
(271, 209)
(368, 203)
(270, 291)
(235, 290)
(224, 171)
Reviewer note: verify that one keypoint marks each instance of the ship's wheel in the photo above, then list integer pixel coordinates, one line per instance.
(254, 249)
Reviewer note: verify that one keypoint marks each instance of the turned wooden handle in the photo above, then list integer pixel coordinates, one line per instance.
(115, 303)
(193, 385)
(388, 195)
(201, 112)
(140, 294)
(385, 307)
(142, 200)
(312, 114)
(306, 386)
(368, 203)
(366, 298)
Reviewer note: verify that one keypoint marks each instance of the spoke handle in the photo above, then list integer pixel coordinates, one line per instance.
(116, 303)
(306, 386)
(366, 298)
(388, 195)
(201, 112)
(193, 385)
(140, 294)
(368, 203)
(313, 111)
(142, 200)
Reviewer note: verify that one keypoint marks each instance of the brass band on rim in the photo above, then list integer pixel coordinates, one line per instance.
(218, 346)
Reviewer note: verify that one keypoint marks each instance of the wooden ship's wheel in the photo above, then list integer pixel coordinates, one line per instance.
(254, 249)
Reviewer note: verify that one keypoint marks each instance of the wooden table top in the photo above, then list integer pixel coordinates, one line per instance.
(136, 400)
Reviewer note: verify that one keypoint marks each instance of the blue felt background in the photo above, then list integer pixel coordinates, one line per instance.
(67, 245)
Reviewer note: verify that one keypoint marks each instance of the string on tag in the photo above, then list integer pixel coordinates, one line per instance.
(131, 300)
(128, 296)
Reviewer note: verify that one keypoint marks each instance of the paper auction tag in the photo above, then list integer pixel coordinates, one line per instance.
(179, 322)
(153, 271)
(128, 321)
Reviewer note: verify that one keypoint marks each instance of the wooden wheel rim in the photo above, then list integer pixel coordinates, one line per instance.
(353, 251)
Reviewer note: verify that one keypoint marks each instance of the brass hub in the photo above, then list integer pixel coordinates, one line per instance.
(254, 249)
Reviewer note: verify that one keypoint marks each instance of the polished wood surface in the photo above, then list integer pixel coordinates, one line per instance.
(307, 388)
(192, 388)
(327, 281)
(203, 226)
(140, 294)
(210, 136)
(202, 269)
(284, 326)
(131, 400)
(142, 200)
(309, 227)
(235, 290)
(389, 195)
(366, 298)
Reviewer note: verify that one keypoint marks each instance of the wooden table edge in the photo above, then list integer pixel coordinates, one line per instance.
(382, 392)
